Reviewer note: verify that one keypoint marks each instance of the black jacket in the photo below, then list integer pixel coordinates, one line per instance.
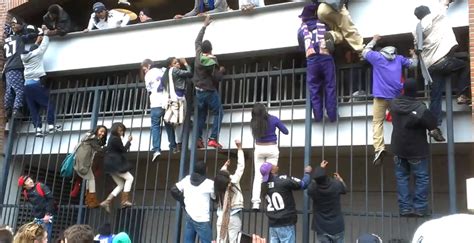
(115, 160)
(41, 205)
(410, 120)
(179, 77)
(62, 25)
(205, 77)
(15, 46)
(327, 213)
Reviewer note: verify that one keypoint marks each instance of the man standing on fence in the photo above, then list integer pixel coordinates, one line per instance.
(411, 120)
(435, 41)
(281, 209)
(328, 221)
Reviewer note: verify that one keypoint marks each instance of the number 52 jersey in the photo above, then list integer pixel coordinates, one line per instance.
(281, 208)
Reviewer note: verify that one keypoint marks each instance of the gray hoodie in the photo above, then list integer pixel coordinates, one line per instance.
(33, 61)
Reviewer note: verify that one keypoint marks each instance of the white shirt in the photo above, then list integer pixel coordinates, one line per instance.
(152, 83)
(114, 20)
(452, 228)
(197, 198)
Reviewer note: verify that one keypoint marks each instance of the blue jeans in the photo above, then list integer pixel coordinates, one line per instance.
(285, 234)
(209, 100)
(403, 168)
(157, 114)
(202, 229)
(439, 76)
(327, 238)
(37, 96)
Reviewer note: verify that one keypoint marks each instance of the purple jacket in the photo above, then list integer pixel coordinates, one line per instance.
(270, 135)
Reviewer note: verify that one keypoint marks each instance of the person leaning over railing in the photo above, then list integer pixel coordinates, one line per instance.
(102, 18)
(91, 145)
(229, 198)
(57, 20)
(158, 91)
(202, 7)
(116, 164)
(320, 70)
(264, 127)
(36, 94)
(144, 16)
(207, 74)
(175, 79)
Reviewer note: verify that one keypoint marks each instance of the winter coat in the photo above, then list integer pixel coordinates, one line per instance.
(42, 205)
(410, 119)
(115, 160)
(62, 25)
(86, 154)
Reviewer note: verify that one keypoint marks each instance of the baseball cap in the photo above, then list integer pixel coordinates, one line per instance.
(98, 7)
(265, 170)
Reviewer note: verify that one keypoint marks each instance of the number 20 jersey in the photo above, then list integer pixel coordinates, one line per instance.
(281, 209)
(12, 50)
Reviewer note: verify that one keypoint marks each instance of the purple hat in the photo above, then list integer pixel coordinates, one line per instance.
(265, 170)
(309, 11)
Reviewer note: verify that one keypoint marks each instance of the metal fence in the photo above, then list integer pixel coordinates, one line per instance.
(84, 102)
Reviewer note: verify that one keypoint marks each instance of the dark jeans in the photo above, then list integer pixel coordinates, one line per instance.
(202, 229)
(327, 238)
(157, 114)
(209, 100)
(406, 201)
(439, 73)
(37, 96)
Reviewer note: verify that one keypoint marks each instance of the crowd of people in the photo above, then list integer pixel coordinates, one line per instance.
(325, 24)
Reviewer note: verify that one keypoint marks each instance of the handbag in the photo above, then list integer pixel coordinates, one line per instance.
(67, 166)
(174, 113)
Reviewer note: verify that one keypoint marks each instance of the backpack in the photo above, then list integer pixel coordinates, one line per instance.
(67, 166)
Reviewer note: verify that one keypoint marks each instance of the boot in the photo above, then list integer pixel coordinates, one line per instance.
(125, 202)
(91, 200)
(106, 203)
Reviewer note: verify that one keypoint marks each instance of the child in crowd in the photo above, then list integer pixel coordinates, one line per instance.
(41, 198)
(158, 102)
(263, 127)
(116, 164)
(31, 233)
(230, 200)
(102, 18)
(86, 153)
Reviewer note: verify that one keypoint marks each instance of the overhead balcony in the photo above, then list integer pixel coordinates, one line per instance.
(270, 29)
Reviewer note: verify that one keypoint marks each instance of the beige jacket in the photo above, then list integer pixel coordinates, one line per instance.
(238, 198)
(438, 35)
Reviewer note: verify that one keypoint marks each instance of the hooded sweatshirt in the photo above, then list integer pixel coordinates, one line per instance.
(410, 119)
(62, 24)
(197, 191)
(33, 61)
(326, 194)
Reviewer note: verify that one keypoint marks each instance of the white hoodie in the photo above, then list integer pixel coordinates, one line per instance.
(33, 61)
(152, 82)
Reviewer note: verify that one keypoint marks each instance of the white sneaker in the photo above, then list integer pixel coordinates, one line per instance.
(54, 128)
(39, 132)
(155, 155)
(255, 206)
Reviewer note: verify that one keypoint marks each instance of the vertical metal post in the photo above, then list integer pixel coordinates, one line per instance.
(194, 138)
(450, 137)
(6, 162)
(182, 162)
(94, 120)
(307, 156)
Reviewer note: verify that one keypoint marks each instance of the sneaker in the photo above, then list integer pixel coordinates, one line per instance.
(437, 135)
(378, 158)
(255, 206)
(406, 213)
(39, 132)
(420, 214)
(329, 42)
(199, 144)
(54, 128)
(155, 155)
(175, 150)
(213, 143)
(124, 2)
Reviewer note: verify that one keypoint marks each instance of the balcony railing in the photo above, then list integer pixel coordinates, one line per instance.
(370, 204)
